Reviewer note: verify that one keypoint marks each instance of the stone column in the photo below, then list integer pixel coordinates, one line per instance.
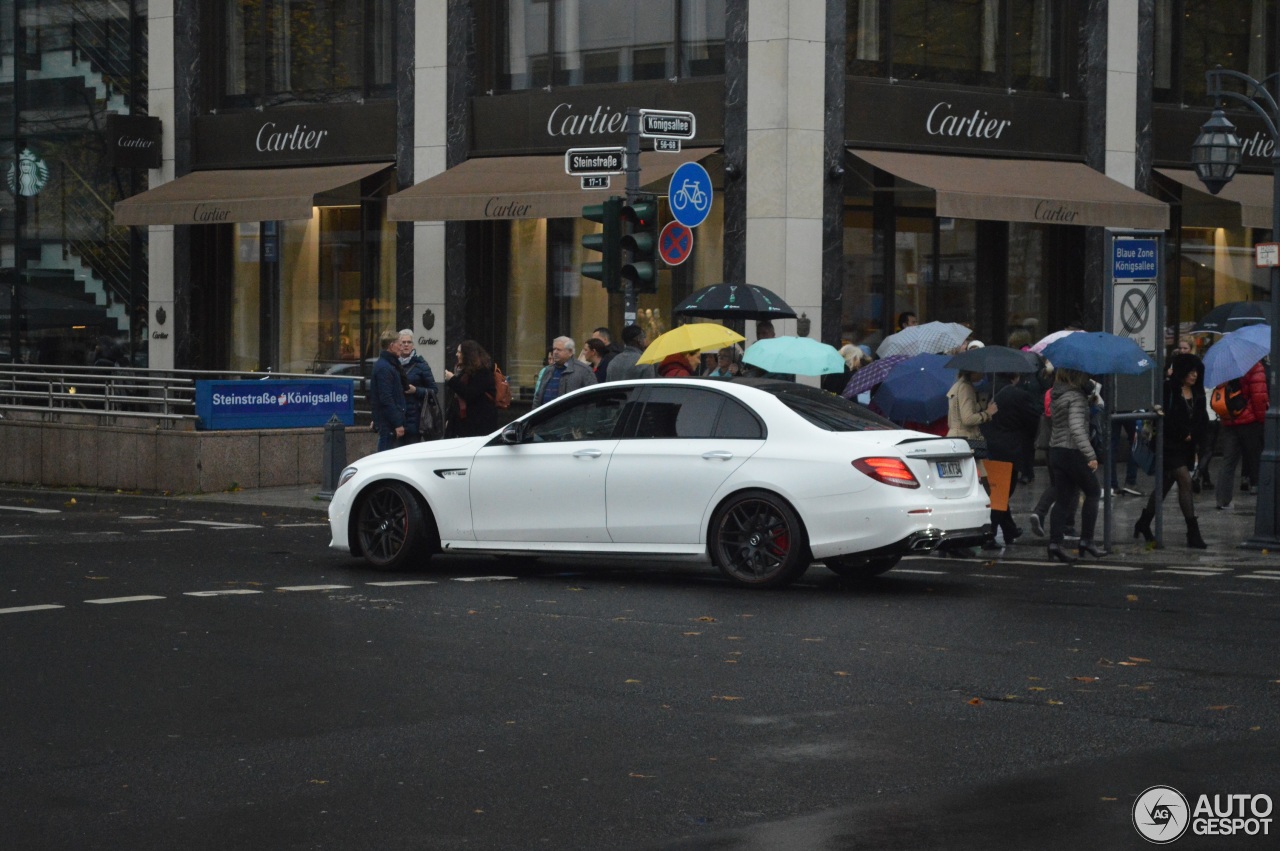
(161, 98)
(786, 54)
(430, 137)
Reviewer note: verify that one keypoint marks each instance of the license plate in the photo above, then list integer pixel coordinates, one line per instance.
(950, 469)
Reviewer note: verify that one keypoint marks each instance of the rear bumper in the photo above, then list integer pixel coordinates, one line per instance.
(928, 540)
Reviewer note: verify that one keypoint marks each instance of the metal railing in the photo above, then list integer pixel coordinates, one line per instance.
(121, 392)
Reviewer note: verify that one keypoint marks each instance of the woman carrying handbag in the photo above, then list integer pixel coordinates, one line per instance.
(1185, 423)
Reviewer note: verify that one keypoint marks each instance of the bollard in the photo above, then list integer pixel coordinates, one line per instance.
(334, 456)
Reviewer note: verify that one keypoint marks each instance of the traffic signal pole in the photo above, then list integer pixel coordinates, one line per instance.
(633, 190)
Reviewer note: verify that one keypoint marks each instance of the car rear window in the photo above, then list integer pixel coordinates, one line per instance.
(825, 410)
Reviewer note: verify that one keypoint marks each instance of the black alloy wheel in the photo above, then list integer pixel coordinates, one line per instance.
(758, 541)
(390, 527)
(856, 567)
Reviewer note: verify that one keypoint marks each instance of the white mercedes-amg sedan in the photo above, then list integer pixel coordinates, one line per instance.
(760, 477)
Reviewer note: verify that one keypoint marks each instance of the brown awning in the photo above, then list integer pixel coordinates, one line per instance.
(1041, 191)
(519, 188)
(1251, 193)
(239, 195)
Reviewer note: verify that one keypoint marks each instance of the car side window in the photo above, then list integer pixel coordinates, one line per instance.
(594, 416)
(737, 422)
(683, 412)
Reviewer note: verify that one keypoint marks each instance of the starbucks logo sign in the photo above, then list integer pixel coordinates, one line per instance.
(29, 175)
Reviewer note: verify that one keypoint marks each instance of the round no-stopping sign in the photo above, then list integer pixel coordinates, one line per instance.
(675, 243)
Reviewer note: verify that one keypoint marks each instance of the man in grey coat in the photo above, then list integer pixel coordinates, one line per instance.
(566, 375)
(623, 365)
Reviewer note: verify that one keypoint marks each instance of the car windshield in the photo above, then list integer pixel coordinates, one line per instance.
(825, 410)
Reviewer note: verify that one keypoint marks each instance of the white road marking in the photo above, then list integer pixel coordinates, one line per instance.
(992, 576)
(1182, 571)
(1259, 575)
(1107, 567)
(138, 599)
(224, 593)
(214, 524)
(1268, 572)
(402, 582)
(138, 517)
(1245, 593)
(41, 608)
(1158, 587)
(298, 525)
(1072, 581)
(312, 587)
(481, 578)
(29, 510)
(156, 531)
(925, 572)
(16, 536)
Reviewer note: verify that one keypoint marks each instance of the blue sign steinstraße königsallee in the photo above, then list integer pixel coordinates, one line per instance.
(274, 403)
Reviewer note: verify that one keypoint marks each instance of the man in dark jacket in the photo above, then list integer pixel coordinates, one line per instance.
(567, 373)
(388, 392)
(1010, 431)
(1242, 436)
(623, 365)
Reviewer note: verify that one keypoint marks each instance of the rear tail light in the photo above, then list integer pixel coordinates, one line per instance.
(889, 471)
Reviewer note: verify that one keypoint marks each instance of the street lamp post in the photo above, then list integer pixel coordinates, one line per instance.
(1216, 155)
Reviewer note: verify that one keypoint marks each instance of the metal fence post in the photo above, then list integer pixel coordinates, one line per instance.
(334, 456)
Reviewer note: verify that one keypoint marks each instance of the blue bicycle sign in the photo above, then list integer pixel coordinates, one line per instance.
(689, 195)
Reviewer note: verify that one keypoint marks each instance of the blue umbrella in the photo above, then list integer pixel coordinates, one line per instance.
(1236, 353)
(1098, 353)
(916, 389)
(794, 355)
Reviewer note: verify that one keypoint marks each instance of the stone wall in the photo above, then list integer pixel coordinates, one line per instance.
(148, 455)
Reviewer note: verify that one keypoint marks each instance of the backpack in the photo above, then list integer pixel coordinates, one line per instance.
(1228, 400)
(502, 389)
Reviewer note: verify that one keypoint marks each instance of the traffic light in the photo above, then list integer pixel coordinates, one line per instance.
(641, 244)
(608, 242)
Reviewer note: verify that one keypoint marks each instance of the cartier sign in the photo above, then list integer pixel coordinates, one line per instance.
(297, 135)
(133, 141)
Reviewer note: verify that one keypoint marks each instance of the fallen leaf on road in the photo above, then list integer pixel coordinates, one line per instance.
(1138, 659)
(707, 619)
(724, 697)
(640, 776)
(1128, 664)
(1085, 679)
(97, 578)
(632, 681)
(977, 701)
(1132, 598)
(841, 673)
(318, 782)
(692, 633)
(1036, 688)
(813, 639)
(1223, 707)
(1105, 798)
(1052, 702)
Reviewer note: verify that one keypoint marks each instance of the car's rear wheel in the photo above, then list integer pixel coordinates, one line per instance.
(758, 541)
(390, 527)
(855, 567)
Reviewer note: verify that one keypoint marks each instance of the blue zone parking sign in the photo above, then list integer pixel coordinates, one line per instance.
(274, 404)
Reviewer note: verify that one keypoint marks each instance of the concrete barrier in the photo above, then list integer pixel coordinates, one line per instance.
(151, 455)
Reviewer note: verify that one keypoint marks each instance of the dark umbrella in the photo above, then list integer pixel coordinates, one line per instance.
(735, 301)
(870, 375)
(1233, 315)
(916, 390)
(993, 359)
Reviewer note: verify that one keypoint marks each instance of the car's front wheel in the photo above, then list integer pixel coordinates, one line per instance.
(390, 527)
(855, 567)
(757, 540)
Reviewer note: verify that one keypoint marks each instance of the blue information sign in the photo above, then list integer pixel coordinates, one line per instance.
(689, 194)
(274, 403)
(1135, 260)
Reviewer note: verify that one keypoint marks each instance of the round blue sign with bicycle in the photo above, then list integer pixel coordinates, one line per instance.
(689, 195)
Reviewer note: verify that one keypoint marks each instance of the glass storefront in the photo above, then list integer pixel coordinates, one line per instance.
(546, 295)
(314, 310)
(1216, 266)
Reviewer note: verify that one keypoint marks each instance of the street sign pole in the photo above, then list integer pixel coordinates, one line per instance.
(633, 190)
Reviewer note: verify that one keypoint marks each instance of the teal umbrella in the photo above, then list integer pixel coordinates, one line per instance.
(798, 355)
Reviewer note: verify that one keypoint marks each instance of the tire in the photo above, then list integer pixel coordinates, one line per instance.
(390, 527)
(855, 567)
(758, 541)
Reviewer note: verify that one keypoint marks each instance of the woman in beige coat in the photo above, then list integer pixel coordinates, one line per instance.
(964, 416)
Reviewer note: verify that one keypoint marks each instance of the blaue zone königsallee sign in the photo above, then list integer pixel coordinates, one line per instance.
(274, 403)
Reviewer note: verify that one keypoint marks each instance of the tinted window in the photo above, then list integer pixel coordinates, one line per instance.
(825, 410)
(679, 412)
(594, 417)
(737, 422)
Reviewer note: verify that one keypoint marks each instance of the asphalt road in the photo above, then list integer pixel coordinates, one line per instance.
(191, 675)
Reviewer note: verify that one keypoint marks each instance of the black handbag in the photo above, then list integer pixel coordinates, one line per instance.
(979, 447)
(431, 418)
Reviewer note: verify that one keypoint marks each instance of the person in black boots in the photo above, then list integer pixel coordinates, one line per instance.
(1072, 463)
(1185, 422)
(1011, 431)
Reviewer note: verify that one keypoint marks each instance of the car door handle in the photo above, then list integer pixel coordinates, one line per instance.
(588, 453)
(718, 455)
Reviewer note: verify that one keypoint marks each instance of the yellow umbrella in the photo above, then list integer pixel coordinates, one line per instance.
(698, 336)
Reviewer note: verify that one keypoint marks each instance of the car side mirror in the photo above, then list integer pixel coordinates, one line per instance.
(513, 434)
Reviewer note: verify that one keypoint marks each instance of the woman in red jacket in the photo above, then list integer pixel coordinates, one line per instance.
(677, 365)
(1242, 436)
